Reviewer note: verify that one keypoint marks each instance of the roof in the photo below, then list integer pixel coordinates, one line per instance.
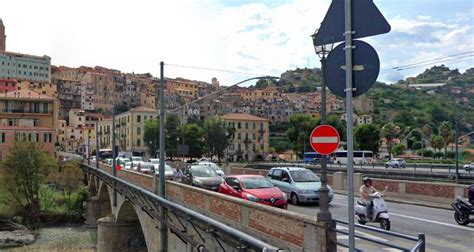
(242, 117)
(26, 94)
(1, 23)
(27, 128)
(143, 109)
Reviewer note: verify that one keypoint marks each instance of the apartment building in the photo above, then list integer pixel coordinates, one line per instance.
(250, 140)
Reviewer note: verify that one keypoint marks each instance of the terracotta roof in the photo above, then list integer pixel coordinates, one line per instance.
(143, 109)
(27, 128)
(26, 94)
(242, 117)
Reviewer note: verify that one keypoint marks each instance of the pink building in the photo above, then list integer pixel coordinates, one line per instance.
(7, 85)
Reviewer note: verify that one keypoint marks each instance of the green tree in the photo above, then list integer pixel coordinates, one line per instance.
(299, 131)
(215, 136)
(437, 142)
(151, 136)
(367, 137)
(192, 135)
(398, 149)
(172, 133)
(390, 131)
(446, 133)
(26, 167)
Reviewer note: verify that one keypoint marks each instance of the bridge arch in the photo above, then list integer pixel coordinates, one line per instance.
(127, 216)
(103, 197)
(92, 185)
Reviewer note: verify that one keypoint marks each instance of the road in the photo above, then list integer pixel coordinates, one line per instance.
(442, 233)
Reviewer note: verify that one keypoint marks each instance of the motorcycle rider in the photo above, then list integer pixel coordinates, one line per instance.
(366, 192)
(470, 194)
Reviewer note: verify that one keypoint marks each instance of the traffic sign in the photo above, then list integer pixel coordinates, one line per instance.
(324, 139)
(119, 167)
(366, 68)
(366, 21)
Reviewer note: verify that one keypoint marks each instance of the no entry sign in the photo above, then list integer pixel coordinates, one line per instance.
(324, 139)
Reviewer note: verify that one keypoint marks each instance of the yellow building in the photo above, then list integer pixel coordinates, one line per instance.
(48, 89)
(187, 89)
(130, 129)
(251, 137)
(257, 94)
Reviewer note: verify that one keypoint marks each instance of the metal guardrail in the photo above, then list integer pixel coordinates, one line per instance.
(149, 201)
(419, 246)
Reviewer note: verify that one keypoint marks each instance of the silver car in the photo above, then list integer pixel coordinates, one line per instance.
(299, 184)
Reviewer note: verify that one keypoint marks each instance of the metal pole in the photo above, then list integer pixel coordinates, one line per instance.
(323, 215)
(161, 191)
(350, 151)
(97, 153)
(456, 132)
(114, 157)
(89, 146)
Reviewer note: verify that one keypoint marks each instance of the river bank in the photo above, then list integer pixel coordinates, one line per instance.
(61, 238)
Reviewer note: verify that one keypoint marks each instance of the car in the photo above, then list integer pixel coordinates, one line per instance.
(169, 172)
(136, 158)
(121, 160)
(299, 184)
(128, 165)
(109, 161)
(395, 163)
(145, 167)
(254, 188)
(469, 167)
(202, 176)
(213, 166)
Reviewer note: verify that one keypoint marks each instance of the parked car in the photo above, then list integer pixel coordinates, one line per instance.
(109, 161)
(145, 167)
(137, 158)
(255, 188)
(213, 166)
(299, 184)
(121, 160)
(202, 176)
(128, 165)
(469, 167)
(395, 163)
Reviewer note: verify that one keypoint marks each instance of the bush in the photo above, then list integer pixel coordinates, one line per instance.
(74, 203)
(425, 153)
(438, 154)
(47, 196)
(416, 145)
(451, 155)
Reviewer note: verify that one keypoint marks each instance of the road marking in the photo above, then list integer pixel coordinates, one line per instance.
(363, 234)
(421, 219)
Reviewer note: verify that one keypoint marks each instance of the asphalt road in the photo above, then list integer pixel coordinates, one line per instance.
(442, 232)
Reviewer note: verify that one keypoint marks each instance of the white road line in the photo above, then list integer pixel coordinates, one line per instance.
(421, 219)
(363, 234)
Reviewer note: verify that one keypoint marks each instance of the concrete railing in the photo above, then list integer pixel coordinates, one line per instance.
(435, 192)
(281, 228)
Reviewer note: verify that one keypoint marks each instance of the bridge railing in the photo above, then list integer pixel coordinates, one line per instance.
(420, 241)
(149, 201)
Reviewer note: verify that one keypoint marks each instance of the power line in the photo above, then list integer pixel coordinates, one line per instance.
(435, 59)
(214, 69)
(457, 59)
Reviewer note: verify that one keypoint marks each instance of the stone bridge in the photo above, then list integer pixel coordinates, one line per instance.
(130, 221)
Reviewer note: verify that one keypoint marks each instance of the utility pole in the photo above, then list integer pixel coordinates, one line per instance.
(456, 136)
(97, 153)
(350, 150)
(114, 157)
(88, 146)
(161, 174)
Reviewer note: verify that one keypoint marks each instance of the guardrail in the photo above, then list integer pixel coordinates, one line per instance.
(419, 246)
(148, 199)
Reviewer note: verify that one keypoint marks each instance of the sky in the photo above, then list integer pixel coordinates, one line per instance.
(249, 38)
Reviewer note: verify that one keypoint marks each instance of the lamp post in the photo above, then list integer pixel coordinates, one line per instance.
(323, 215)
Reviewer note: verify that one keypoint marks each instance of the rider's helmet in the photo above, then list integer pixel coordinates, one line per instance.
(367, 179)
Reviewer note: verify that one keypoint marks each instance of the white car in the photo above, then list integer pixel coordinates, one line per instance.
(469, 167)
(121, 160)
(137, 158)
(155, 162)
(395, 163)
(214, 166)
(128, 165)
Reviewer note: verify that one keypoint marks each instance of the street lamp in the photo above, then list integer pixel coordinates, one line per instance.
(322, 51)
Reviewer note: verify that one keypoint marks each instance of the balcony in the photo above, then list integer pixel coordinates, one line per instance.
(24, 111)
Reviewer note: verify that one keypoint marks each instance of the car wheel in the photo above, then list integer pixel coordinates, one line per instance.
(294, 199)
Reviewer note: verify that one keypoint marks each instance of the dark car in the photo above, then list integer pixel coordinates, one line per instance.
(202, 176)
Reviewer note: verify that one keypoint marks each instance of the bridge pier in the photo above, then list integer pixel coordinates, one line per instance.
(96, 209)
(119, 236)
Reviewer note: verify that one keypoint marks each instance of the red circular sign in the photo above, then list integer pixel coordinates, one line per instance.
(324, 139)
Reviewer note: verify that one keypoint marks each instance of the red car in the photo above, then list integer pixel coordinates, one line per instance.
(255, 188)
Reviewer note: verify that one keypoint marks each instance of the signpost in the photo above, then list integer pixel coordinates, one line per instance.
(352, 67)
(324, 139)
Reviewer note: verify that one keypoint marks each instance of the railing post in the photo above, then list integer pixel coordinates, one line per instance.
(421, 237)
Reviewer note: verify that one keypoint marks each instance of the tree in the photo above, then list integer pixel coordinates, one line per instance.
(390, 131)
(367, 137)
(427, 131)
(445, 132)
(151, 136)
(193, 137)
(299, 131)
(399, 149)
(215, 136)
(172, 134)
(437, 142)
(26, 167)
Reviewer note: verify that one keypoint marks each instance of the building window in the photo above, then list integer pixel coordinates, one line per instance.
(246, 125)
(139, 119)
(139, 143)
(238, 125)
(2, 137)
(238, 136)
(139, 131)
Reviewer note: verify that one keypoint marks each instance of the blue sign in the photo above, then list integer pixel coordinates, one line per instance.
(366, 21)
(365, 66)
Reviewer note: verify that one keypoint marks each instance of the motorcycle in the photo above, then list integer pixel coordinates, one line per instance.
(463, 211)
(379, 211)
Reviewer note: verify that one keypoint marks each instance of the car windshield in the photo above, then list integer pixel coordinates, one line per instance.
(203, 171)
(304, 176)
(255, 183)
